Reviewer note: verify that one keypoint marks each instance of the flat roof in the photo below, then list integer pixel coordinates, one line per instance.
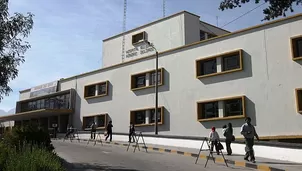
(185, 46)
(154, 22)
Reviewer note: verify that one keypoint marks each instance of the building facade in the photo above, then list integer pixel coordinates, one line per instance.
(207, 77)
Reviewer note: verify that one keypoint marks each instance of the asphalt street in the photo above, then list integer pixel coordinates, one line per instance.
(109, 157)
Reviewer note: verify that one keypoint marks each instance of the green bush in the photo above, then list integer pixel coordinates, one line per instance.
(28, 148)
(30, 134)
(33, 159)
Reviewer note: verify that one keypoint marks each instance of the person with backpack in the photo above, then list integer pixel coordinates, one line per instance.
(229, 137)
(214, 140)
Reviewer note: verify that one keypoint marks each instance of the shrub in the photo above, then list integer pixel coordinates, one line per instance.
(33, 159)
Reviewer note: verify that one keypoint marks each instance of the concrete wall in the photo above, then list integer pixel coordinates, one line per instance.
(164, 35)
(193, 26)
(24, 95)
(268, 80)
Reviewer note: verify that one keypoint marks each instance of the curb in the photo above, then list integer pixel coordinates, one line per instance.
(217, 159)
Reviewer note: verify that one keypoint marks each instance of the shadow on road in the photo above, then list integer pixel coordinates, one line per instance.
(92, 167)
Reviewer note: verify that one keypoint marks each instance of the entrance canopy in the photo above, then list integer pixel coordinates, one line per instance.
(35, 114)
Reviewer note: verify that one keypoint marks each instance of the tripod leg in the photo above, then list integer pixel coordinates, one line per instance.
(144, 143)
(128, 146)
(224, 158)
(136, 144)
(199, 151)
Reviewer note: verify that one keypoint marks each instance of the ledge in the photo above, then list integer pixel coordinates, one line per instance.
(219, 73)
(297, 58)
(141, 88)
(92, 97)
(152, 124)
(98, 128)
(224, 118)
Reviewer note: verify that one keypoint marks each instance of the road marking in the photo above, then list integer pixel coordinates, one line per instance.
(106, 152)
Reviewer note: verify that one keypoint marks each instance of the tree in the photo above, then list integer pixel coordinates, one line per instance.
(275, 9)
(12, 48)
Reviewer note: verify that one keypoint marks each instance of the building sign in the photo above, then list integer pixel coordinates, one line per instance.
(44, 89)
(139, 50)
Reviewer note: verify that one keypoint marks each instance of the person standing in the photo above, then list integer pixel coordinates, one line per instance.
(109, 131)
(131, 132)
(93, 130)
(249, 132)
(214, 139)
(229, 137)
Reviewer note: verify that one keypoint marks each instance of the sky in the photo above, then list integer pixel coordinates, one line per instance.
(67, 36)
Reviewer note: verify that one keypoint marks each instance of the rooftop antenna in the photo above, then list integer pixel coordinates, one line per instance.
(217, 21)
(164, 8)
(124, 30)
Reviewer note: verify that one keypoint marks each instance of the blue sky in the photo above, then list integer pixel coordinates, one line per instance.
(67, 35)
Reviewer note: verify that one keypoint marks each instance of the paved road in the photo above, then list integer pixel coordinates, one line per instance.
(116, 158)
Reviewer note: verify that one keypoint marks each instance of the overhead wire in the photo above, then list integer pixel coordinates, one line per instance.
(243, 14)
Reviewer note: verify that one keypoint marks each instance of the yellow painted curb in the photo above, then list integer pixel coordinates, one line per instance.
(263, 167)
(240, 163)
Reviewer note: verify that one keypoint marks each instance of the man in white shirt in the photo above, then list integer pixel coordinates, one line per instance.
(214, 139)
(249, 132)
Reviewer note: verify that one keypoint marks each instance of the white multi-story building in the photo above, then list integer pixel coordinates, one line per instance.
(207, 76)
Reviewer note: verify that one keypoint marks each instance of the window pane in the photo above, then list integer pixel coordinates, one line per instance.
(140, 81)
(299, 100)
(152, 120)
(299, 48)
(140, 117)
(210, 110)
(208, 67)
(90, 91)
(102, 89)
(138, 37)
(233, 107)
(101, 121)
(231, 62)
(87, 122)
(153, 78)
(202, 35)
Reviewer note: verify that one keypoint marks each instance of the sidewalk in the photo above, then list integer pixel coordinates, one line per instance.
(235, 159)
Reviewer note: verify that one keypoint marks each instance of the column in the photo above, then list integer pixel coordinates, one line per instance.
(59, 123)
(220, 109)
(49, 122)
(219, 64)
(148, 79)
(96, 90)
(148, 116)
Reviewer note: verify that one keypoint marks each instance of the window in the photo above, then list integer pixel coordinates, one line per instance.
(90, 91)
(231, 62)
(202, 35)
(233, 107)
(140, 37)
(152, 120)
(299, 100)
(100, 120)
(153, 79)
(146, 79)
(145, 117)
(102, 89)
(220, 109)
(296, 44)
(208, 110)
(87, 122)
(140, 81)
(96, 90)
(208, 66)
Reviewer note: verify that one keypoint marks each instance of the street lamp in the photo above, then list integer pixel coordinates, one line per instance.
(156, 88)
